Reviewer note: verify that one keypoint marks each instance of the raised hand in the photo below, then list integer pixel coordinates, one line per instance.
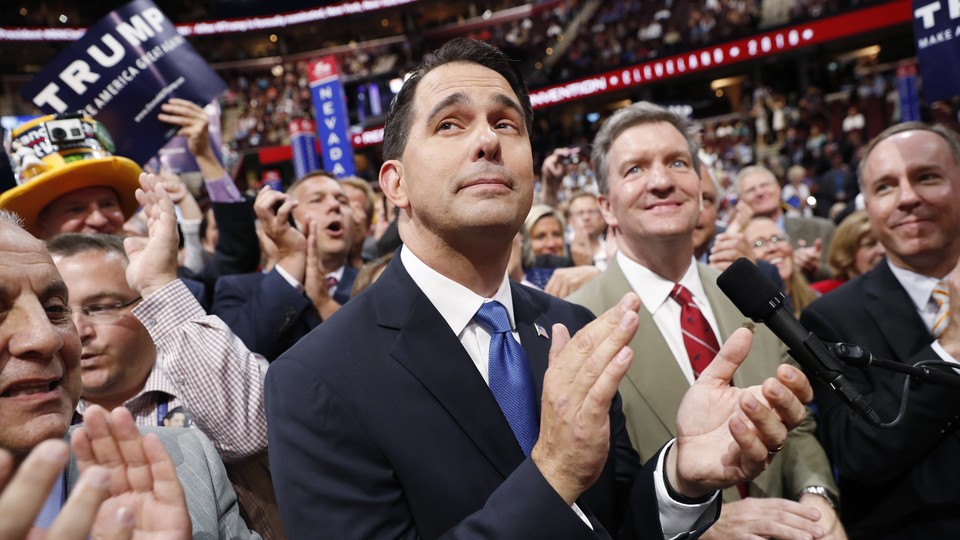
(143, 480)
(727, 435)
(566, 281)
(807, 258)
(551, 174)
(578, 387)
(315, 280)
(950, 338)
(291, 243)
(24, 494)
(193, 121)
(153, 260)
(741, 215)
(194, 125)
(728, 247)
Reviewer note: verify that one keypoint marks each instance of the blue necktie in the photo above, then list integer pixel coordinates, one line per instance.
(509, 372)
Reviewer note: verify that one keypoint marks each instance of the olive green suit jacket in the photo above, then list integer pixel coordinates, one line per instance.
(655, 385)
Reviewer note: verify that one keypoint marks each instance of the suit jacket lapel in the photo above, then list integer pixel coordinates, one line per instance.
(527, 314)
(728, 317)
(894, 312)
(430, 351)
(654, 372)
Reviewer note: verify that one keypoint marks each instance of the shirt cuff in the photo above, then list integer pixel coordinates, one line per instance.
(581, 515)
(676, 518)
(942, 353)
(289, 279)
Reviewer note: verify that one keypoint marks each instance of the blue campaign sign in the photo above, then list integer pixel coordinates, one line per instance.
(303, 143)
(907, 89)
(330, 110)
(935, 28)
(121, 71)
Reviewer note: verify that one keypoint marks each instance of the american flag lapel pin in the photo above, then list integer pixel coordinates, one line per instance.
(541, 331)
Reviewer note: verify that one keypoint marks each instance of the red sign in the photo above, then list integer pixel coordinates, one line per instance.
(322, 69)
(298, 126)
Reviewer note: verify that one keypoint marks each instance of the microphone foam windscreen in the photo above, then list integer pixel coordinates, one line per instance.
(754, 295)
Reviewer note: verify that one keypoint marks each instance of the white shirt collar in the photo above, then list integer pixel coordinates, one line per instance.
(918, 286)
(456, 303)
(653, 289)
(338, 273)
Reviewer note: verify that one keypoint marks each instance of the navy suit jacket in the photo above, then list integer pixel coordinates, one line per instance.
(899, 483)
(237, 251)
(380, 426)
(267, 313)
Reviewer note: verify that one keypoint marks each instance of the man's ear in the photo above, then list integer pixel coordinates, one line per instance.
(393, 183)
(606, 210)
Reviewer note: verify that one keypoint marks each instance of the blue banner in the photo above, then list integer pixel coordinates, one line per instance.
(330, 110)
(938, 47)
(303, 143)
(907, 89)
(121, 71)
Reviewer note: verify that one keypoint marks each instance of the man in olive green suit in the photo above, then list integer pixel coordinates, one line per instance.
(650, 186)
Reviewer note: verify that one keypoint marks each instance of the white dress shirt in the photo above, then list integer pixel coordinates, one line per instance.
(654, 291)
(338, 274)
(458, 304)
(920, 290)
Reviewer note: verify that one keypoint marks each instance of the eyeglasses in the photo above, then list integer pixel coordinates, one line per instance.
(775, 239)
(587, 212)
(104, 313)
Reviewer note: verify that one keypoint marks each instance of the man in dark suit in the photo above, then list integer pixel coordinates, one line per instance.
(381, 420)
(900, 482)
(310, 281)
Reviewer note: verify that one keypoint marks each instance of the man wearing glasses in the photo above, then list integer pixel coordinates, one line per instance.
(760, 195)
(147, 343)
(589, 245)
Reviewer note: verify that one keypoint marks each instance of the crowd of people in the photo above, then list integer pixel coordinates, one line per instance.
(483, 341)
(264, 100)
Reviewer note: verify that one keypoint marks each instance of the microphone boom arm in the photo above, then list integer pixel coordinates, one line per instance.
(836, 380)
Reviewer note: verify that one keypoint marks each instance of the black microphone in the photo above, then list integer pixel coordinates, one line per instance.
(758, 298)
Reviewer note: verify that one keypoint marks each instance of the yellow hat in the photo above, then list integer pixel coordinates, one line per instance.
(58, 154)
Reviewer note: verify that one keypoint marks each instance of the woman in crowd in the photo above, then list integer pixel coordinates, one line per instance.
(544, 246)
(770, 243)
(853, 251)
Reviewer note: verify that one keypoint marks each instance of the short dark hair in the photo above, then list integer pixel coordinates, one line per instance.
(70, 244)
(642, 112)
(312, 174)
(464, 50)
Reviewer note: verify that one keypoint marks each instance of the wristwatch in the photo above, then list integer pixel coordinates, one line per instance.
(822, 491)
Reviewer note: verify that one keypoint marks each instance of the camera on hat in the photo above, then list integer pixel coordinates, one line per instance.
(65, 131)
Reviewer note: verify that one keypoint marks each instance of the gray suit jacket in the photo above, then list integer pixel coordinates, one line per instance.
(211, 500)
(655, 385)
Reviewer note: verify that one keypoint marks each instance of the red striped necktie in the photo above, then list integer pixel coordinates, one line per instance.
(698, 337)
(700, 341)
